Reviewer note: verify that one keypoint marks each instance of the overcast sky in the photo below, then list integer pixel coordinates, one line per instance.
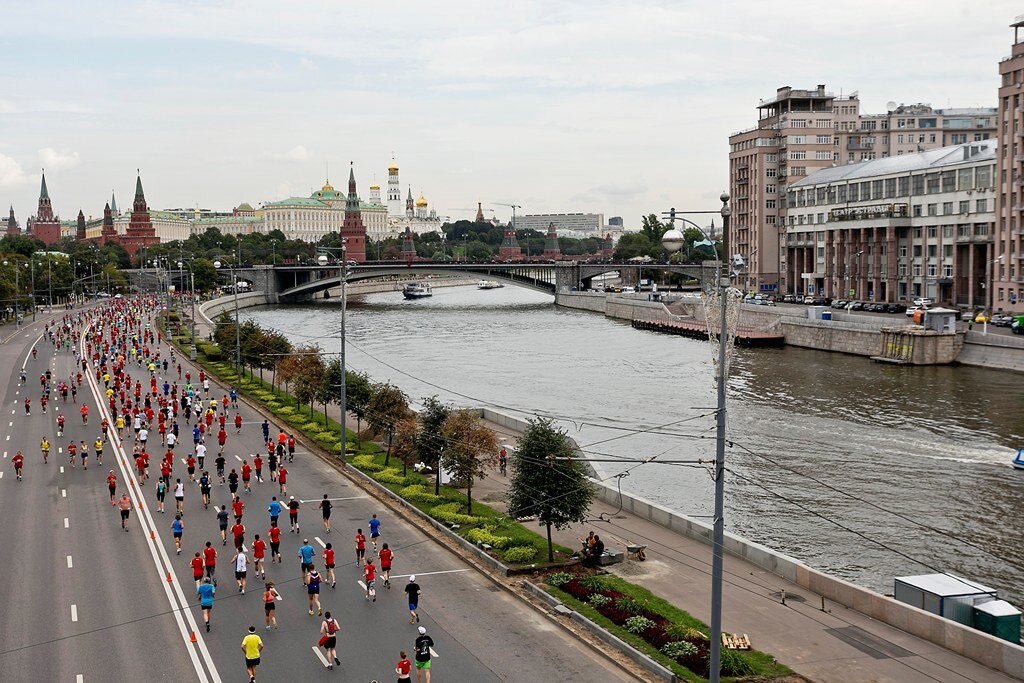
(620, 107)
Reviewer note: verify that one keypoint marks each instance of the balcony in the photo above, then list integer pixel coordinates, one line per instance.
(860, 145)
(742, 167)
(742, 181)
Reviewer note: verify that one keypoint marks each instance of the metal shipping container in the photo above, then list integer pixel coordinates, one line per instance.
(998, 618)
(944, 594)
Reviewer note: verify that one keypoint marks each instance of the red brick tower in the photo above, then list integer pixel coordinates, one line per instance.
(45, 227)
(551, 248)
(509, 249)
(408, 246)
(80, 227)
(12, 224)
(479, 213)
(109, 233)
(352, 229)
(140, 232)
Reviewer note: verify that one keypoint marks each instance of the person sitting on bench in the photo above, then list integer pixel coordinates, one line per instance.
(592, 555)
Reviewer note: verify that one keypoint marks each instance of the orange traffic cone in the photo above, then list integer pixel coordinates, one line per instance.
(168, 577)
(192, 639)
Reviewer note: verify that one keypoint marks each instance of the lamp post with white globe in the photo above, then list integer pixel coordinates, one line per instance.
(673, 240)
(238, 329)
(322, 260)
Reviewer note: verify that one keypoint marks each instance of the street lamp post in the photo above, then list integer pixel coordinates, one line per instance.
(17, 294)
(673, 240)
(192, 296)
(32, 272)
(238, 329)
(322, 261)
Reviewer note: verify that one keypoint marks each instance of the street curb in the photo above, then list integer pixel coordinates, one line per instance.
(639, 658)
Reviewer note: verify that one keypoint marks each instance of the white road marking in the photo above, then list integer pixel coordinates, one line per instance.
(238, 458)
(5, 454)
(79, 678)
(433, 654)
(10, 424)
(12, 411)
(317, 500)
(74, 612)
(447, 571)
(322, 544)
(320, 656)
(67, 524)
(62, 469)
(361, 585)
(63, 493)
(8, 437)
(60, 449)
(1, 475)
(69, 562)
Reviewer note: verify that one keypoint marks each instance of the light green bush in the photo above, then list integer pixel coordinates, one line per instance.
(638, 624)
(366, 463)
(520, 554)
(415, 492)
(558, 579)
(678, 648)
(389, 476)
(483, 535)
(596, 599)
(451, 513)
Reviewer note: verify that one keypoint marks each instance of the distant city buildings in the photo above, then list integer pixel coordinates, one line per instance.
(1007, 263)
(615, 221)
(581, 222)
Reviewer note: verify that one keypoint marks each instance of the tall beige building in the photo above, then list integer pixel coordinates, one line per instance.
(802, 131)
(1006, 267)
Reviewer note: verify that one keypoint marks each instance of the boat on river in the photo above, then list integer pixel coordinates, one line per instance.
(489, 284)
(1018, 460)
(417, 290)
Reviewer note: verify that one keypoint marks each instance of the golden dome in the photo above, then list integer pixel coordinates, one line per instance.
(422, 201)
(326, 187)
(393, 167)
(375, 186)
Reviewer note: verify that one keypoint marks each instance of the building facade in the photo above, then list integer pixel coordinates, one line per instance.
(44, 226)
(895, 229)
(583, 222)
(1008, 262)
(800, 132)
(140, 233)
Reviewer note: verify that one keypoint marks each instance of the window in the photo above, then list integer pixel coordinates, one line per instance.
(821, 219)
(963, 231)
(981, 206)
(917, 270)
(958, 138)
(769, 189)
(947, 231)
(947, 250)
(933, 250)
(983, 177)
(824, 123)
(920, 138)
(823, 139)
(876, 189)
(947, 271)
(890, 187)
(917, 209)
(948, 181)
(769, 203)
(904, 189)
(980, 230)
(901, 270)
(917, 251)
(823, 156)
(933, 231)
(931, 137)
(933, 209)
(947, 208)
(932, 269)
(798, 156)
(797, 139)
(770, 172)
(821, 252)
(932, 183)
(917, 233)
(854, 192)
(865, 191)
(798, 123)
(772, 158)
(918, 184)
(899, 138)
(841, 193)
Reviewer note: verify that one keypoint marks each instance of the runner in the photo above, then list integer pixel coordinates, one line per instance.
(44, 446)
(190, 467)
(325, 506)
(238, 423)
(60, 426)
(222, 522)
(238, 534)
(204, 489)
(179, 496)
(219, 462)
(197, 568)
(28, 408)
(72, 451)
(233, 483)
(270, 596)
(237, 507)
(125, 506)
(374, 525)
(98, 447)
(177, 528)
(329, 639)
(412, 589)
(293, 514)
(210, 562)
(306, 555)
(313, 589)
(369, 575)
(291, 447)
(201, 457)
(241, 561)
(257, 464)
(403, 668)
(206, 590)
(112, 485)
(252, 646)
(329, 564)
(360, 547)
(83, 453)
(161, 492)
(274, 533)
(386, 556)
(259, 550)
(423, 645)
(272, 464)
(84, 410)
(282, 479)
(18, 461)
(246, 476)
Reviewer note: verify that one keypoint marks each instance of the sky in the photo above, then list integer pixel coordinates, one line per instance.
(622, 108)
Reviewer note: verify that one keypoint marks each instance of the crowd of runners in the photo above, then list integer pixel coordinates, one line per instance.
(150, 402)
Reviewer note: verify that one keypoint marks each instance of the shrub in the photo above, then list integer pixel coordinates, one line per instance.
(734, 664)
(638, 624)
(613, 613)
(631, 605)
(482, 535)
(596, 599)
(366, 463)
(594, 582)
(558, 579)
(312, 427)
(451, 513)
(416, 492)
(520, 554)
(679, 648)
(576, 589)
(680, 632)
(284, 411)
(389, 476)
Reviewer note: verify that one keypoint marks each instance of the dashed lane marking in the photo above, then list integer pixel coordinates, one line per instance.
(447, 571)
(62, 469)
(67, 524)
(69, 563)
(318, 540)
(63, 493)
(74, 612)
(79, 678)
(238, 458)
(317, 500)
(320, 656)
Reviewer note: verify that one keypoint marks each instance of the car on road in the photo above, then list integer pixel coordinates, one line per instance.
(982, 317)
(856, 305)
(923, 302)
(1001, 320)
(789, 299)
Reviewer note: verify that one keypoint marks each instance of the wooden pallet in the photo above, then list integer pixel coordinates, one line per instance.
(736, 641)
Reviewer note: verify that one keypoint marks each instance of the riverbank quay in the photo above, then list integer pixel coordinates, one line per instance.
(859, 637)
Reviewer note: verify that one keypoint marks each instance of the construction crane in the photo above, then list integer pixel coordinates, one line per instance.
(514, 207)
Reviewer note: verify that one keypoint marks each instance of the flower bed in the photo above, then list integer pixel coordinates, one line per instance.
(665, 633)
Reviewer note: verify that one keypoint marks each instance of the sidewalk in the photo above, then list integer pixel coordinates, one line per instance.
(838, 645)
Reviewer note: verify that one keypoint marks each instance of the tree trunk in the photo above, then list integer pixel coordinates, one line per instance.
(551, 548)
(469, 495)
(359, 428)
(273, 379)
(387, 456)
(437, 478)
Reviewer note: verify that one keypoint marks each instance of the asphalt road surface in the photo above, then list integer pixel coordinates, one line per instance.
(83, 600)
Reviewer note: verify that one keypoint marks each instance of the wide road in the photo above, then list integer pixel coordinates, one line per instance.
(86, 601)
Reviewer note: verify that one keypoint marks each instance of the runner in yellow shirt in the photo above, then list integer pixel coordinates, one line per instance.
(252, 646)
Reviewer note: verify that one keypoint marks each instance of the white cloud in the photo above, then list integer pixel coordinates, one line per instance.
(308, 64)
(11, 172)
(296, 153)
(58, 159)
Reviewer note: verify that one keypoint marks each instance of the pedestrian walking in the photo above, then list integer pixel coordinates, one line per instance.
(313, 590)
(423, 654)
(177, 528)
(252, 646)
(329, 639)
(270, 596)
(206, 591)
(412, 589)
(325, 507)
(125, 506)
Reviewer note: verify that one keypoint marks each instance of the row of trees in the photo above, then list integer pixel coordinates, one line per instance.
(647, 242)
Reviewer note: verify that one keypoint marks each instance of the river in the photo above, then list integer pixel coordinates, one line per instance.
(914, 459)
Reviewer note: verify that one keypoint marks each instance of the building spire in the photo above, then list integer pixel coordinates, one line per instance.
(113, 202)
(43, 194)
(139, 194)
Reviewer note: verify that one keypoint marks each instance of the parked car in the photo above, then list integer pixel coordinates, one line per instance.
(839, 303)
(895, 308)
(798, 299)
(923, 302)
(789, 299)
(1001, 320)
(857, 306)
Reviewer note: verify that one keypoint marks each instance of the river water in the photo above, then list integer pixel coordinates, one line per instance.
(911, 462)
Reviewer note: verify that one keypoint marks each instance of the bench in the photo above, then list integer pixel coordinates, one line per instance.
(610, 557)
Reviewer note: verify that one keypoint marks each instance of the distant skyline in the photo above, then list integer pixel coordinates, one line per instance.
(592, 106)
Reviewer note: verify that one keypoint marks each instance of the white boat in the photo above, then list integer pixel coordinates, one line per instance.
(1018, 460)
(417, 290)
(489, 284)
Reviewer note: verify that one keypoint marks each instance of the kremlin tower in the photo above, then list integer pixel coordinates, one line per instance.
(80, 226)
(44, 226)
(12, 224)
(408, 246)
(509, 250)
(140, 233)
(352, 229)
(394, 191)
(410, 211)
(109, 233)
(479, 213)
(551, 248)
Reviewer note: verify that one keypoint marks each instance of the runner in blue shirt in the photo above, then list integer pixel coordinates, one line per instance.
(374, 525)
(306, 554)
(206, 591)
(177, 527)
(275, 510)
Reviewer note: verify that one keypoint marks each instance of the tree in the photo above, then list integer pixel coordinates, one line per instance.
(429, 441)
(358, 391)
(388, 405)
(407, 432)
(470, 448)
(547, 482)
(329, 389)
(206, 277)
(277, 347)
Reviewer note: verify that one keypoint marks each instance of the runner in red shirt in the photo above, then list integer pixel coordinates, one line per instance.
(72, 449)
(360, 547)
(237, 506)
(238, 423)
(259, 550)
(282, 479)
(197, 568)
(210, 561)
(165, 472)
(404, 668)
(112, 485)
(246, 473)
(291, 447)
(275, 543)
(257, 463)
(369, 575)
(190, 465)
(140, 465)
(386, 556)
(19, 461)
(238, 533)
(329, 563)
(222, 436)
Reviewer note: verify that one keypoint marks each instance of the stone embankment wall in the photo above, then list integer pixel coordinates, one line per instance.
(964, 640)
(993, 351)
